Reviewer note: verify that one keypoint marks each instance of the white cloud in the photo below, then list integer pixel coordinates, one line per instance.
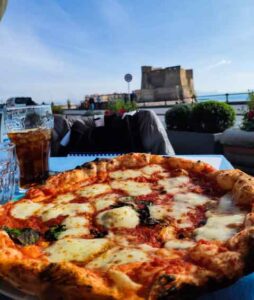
(219, 64)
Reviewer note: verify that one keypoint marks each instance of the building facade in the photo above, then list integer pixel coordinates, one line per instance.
(171, 83)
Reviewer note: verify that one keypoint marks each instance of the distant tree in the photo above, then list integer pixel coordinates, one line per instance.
(68, 103)
(82, 105)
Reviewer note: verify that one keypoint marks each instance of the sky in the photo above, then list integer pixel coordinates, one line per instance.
(55, 50)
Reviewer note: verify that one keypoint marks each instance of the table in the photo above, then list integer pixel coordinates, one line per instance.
(243, 289)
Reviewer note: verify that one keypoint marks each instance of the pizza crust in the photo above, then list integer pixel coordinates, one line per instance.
(241, 184)
(69, 281)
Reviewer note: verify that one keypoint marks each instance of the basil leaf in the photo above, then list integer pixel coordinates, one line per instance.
(53, 232)
(98, 234)
(12, 232)
(25, 236)
(28, 236)
(145, 217)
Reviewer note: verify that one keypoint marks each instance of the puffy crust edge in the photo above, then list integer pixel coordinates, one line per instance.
(241, 185)
(98, 169)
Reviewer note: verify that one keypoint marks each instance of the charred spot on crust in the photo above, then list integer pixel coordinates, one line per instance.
(184, 292)
(97, 159)
(165, 279)
(87, 165)
(55, 274)
(46, 274)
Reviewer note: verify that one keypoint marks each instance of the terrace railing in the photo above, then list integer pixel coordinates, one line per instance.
(230, 98)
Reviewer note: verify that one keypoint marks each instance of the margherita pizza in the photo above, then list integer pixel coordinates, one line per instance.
(138, 226)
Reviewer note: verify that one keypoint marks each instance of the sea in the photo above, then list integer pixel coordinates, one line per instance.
(234, 97)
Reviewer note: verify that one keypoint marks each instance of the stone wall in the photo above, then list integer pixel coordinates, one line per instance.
(171, 83)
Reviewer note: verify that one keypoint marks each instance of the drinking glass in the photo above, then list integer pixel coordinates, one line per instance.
(8, 168)
(29, 128)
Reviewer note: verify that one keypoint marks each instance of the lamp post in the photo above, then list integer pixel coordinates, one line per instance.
(128, 79)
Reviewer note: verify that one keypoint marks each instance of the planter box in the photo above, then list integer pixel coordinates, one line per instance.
(238, 147)
(188, 142)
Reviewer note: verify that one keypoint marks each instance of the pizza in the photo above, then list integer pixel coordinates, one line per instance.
(138, 226)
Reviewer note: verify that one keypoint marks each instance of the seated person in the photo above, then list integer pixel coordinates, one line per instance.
(139, 132)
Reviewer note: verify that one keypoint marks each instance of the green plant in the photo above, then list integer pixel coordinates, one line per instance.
(248, 118)
(212, 116)
(121, 106)
(178, 117)
(57, 109)
(68, 102)
(251, 101)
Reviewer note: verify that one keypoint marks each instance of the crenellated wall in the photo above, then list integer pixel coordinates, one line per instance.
(171, 83)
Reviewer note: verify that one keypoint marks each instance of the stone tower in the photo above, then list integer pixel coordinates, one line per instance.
(172, 83)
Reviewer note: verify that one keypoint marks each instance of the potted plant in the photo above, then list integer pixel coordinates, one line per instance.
(119, 107)
(196, 128)
(116, 109)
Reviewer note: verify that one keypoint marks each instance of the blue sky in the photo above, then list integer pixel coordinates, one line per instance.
(59, 49)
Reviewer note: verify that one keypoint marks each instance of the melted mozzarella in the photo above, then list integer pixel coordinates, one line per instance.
(105, 201)
(227, 204)
(151, 169)
(95, 190)
(132, 188)
(217, 227)
(64, 198)
(68, 209)
(178, 209)
(158, 212)
(123, 280)
(191, 199)
(179, 244)
(174, 185)
(125, 174)
(118, 257)
(75, 226)
(74, 232)
(125, 217)
(25, 209)
(74, 222)
(71, 249)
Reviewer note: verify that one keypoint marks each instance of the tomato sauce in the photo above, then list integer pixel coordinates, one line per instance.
(80, 200)
(204, 186)
(198, 218)
(142, 235)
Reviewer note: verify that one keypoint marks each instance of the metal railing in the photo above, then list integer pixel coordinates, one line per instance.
(230, 98)
(233, 98)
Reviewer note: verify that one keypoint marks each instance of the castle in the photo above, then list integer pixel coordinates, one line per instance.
(172, 83)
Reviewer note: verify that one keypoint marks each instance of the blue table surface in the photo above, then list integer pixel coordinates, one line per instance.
(243, 289)
(60, 164)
